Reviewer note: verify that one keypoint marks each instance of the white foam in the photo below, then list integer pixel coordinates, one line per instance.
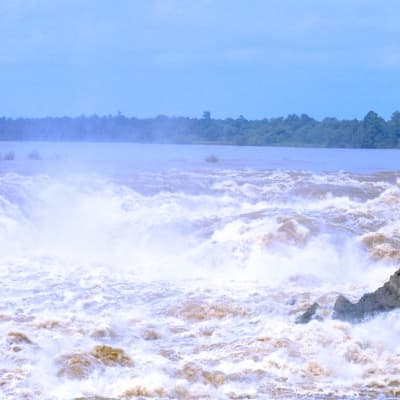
(90, 252)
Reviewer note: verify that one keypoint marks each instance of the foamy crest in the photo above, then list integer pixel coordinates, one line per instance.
(187, 284)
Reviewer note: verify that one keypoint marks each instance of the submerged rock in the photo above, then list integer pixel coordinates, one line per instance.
(308, 315)
(111, 356)
(80, 365)
(386, 298)
(151, 334)
(141, 392)
(211, 158)
(18, 338)
(193, 311)
(96, 398)
(76, 365)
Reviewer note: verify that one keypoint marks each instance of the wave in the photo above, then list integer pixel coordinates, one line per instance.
(187, 284)
(250, 224)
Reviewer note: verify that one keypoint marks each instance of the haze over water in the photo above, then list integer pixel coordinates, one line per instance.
(195, 271)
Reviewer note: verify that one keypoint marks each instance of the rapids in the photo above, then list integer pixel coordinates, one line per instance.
(184, 280)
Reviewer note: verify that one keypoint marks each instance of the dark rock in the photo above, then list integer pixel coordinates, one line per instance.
(291, 302)
(9, 156)
(344, 309)
(386, 298)
(211, 158)
(308, 315)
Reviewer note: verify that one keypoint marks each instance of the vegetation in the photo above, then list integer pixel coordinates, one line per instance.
(294, 130)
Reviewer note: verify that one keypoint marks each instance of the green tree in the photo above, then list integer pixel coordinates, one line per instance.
(373, 130)
(206, 115)
(394, 127)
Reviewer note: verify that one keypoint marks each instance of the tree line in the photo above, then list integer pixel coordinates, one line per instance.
(294, 130)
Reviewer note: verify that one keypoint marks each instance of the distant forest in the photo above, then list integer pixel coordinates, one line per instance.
(295, 130)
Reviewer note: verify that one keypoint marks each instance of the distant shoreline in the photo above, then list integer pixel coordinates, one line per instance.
(292, 131)
(294, 146)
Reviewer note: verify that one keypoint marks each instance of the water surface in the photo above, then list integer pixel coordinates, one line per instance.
(195, 272)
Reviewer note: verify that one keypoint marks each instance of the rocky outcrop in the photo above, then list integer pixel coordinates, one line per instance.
(385, 298)
(308, 315)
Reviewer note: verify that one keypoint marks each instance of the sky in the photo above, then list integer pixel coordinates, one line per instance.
(256, 58)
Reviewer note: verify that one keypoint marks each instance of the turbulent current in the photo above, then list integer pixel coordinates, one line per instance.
(186, 283)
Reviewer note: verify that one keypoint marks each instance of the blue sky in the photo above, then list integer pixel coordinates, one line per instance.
(258, 58)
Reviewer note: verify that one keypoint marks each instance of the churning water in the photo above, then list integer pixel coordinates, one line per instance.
(133, 271)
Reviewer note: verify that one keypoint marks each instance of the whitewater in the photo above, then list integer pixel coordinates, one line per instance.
(143, 271)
